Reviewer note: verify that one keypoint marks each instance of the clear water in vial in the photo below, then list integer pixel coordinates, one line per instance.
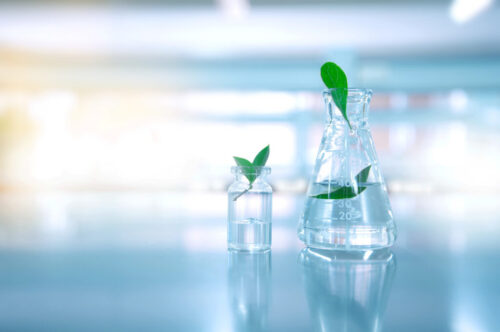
(361, 222)
(249, 224)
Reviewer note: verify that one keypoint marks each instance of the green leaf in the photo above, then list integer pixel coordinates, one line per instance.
(247, 168)
(348, 191)
(334, 78)
(261, 157)
(362, 176)
(341, 193)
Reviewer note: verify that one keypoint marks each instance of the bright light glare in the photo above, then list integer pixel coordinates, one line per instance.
(458, 101)
(51, 111)
(462, 11)
(234, 9)
(401, 137)
(236, 103)
(465, 316)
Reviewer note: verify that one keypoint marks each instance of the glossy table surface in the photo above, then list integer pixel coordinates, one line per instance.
(158, 262)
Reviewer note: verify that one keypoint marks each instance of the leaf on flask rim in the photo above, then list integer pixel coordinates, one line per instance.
(334, 78)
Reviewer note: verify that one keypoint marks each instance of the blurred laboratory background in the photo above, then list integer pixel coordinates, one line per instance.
(160, 94)
(119, 120)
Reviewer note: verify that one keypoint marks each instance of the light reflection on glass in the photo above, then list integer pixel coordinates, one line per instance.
(347, 291)
(249, 279)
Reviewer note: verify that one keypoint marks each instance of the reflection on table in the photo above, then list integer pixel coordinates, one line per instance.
(249, 277)
(347, 291)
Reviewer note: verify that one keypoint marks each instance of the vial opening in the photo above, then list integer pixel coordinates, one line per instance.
(255, 170)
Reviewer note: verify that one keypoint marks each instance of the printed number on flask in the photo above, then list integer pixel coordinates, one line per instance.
(349, 212)
(345, 215)
(342, 183)
(344, 203)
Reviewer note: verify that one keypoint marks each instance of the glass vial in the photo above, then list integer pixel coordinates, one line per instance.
(249, 210)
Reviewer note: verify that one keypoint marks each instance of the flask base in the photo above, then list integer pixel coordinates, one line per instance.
(354, 237)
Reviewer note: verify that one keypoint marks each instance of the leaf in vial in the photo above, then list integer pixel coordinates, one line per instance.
(246, 168)
(261, 157)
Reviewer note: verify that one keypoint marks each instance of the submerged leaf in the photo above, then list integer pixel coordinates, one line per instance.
(363, 175)
(334, 78)
(348, 191)
(341, 193)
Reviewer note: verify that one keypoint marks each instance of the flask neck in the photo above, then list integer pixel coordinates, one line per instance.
(357, 107)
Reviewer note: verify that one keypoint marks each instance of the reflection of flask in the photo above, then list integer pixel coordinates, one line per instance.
(347, 206)
(249, 288)
(347, 291)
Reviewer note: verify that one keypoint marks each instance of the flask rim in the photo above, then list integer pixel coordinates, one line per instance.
(254, 170)
(353, 94)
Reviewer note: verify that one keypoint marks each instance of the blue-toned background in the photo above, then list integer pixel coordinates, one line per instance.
(118, 121)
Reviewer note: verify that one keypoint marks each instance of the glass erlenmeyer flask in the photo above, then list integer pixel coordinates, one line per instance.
(347, 206)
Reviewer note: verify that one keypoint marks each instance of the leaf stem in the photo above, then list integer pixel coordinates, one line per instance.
(242, 193)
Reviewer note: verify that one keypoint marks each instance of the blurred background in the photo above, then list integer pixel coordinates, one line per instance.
(146, 96)
(119, 119)
(142, 95)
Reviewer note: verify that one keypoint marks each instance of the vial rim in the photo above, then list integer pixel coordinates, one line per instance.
(256, 170)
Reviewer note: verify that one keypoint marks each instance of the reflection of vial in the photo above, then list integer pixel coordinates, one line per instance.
(249, 277)
(249, 210)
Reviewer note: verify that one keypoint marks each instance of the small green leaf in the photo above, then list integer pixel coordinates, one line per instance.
(247, 168)
(334, 78)
(261, 157)
(251, 170)
(363, 175)
(348, 191)
(341, 193)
